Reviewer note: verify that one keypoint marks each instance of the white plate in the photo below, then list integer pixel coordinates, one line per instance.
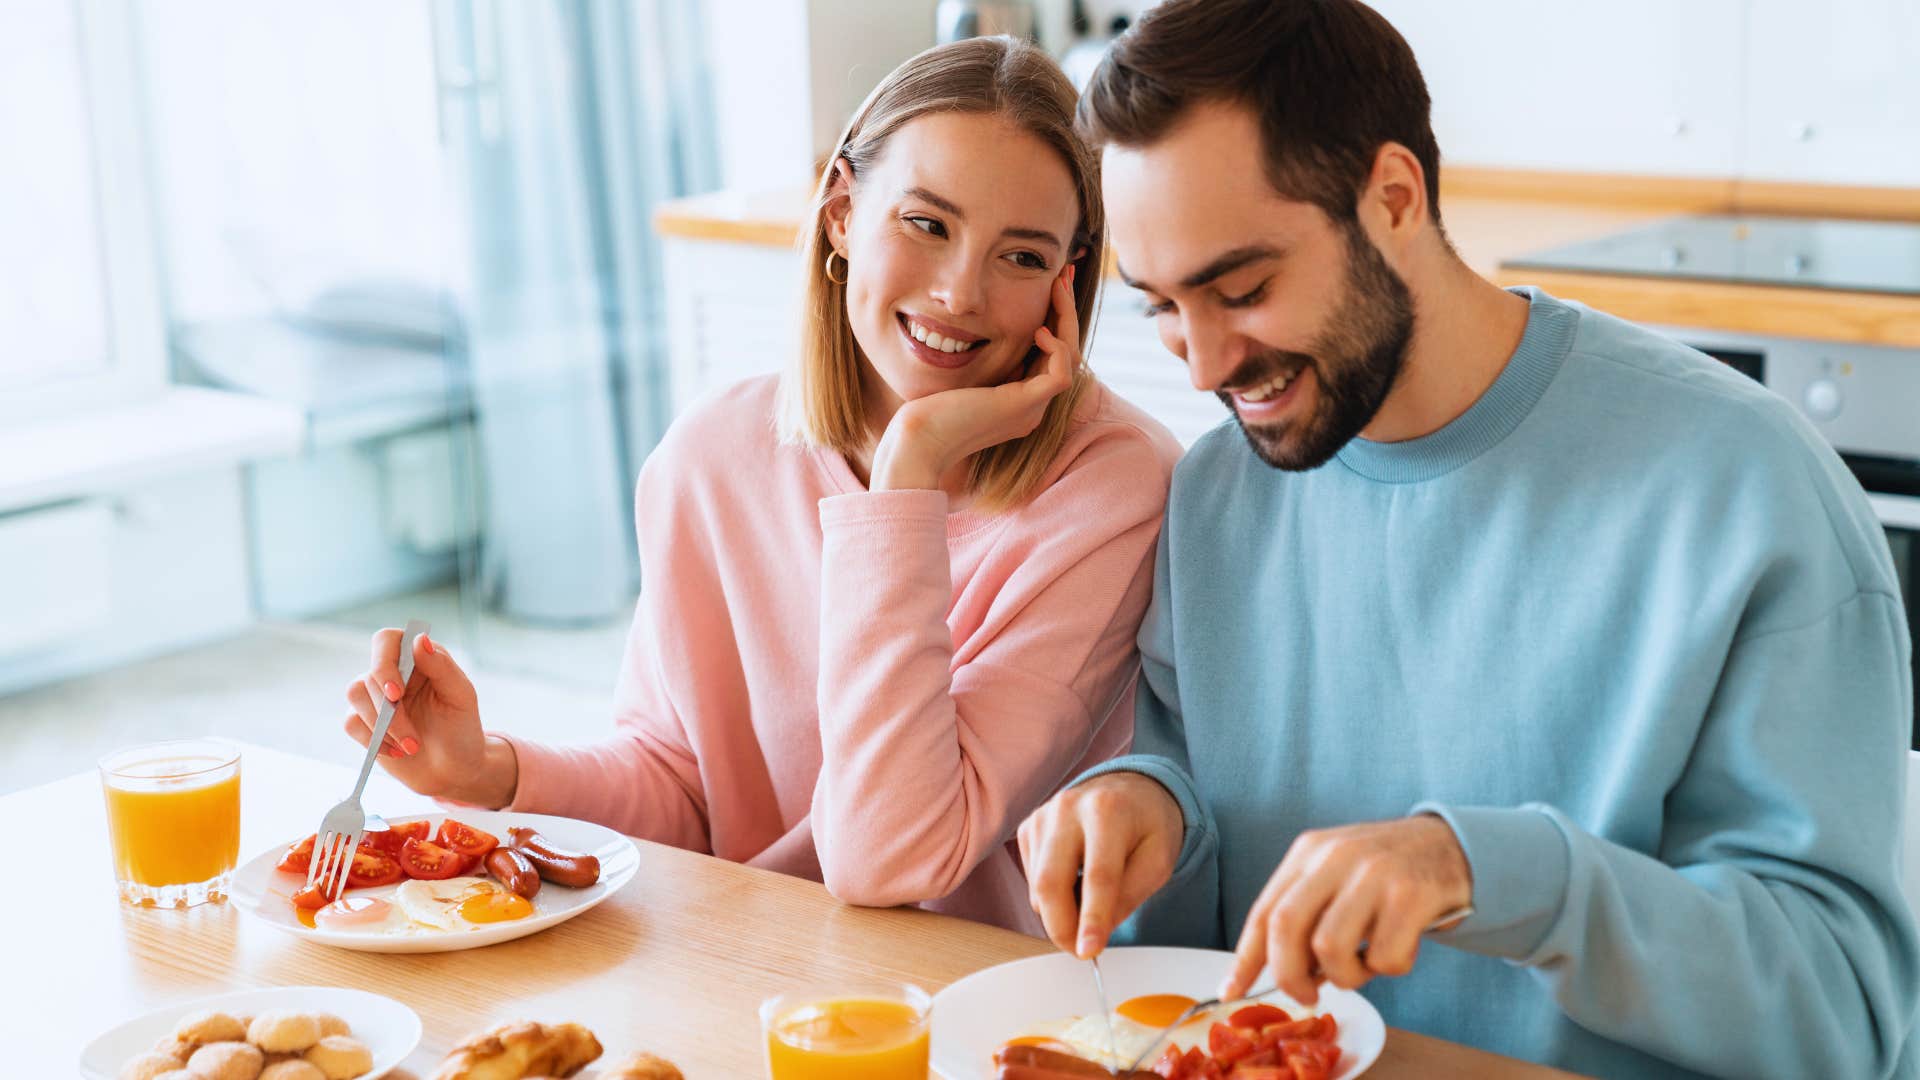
(390, 1029)
(976, 1015)
(266, 894)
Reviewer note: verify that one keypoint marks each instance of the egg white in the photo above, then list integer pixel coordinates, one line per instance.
(1086, 1036)
(436, 904)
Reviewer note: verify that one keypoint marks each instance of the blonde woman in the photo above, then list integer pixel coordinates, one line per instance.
(891, 595)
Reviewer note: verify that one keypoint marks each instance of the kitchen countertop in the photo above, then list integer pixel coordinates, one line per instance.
(1496, 215)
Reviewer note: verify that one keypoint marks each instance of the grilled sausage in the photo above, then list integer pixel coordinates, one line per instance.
(556, 864)
(515, 871)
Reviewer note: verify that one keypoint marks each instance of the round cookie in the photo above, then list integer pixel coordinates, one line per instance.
(206, 1026)
(295, 1031)
(226, 1061)
(292, 1069)
(149, 1065)
(332, 1025)
(341, 1057)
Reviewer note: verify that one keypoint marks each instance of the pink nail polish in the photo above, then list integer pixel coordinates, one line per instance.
(410, 745)
(393, 692)
(428, 642)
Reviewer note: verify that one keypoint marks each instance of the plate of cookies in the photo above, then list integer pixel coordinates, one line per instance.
(284, 1033)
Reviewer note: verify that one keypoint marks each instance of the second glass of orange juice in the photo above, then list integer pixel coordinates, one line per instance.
(173, 812)
(859, 1033)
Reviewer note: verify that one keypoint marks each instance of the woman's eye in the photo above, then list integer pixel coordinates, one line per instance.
(1151, 310)
(1028, 260)
(930, 226)
(1247, 299)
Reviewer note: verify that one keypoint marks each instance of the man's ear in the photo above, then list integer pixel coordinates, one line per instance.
(839, 205)
(1395, 199)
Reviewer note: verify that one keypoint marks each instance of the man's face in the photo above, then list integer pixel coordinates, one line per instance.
(1297, 322)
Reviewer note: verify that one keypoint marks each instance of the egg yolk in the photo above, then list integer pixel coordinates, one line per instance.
(1154, 1010)
(352, 913)
(305, 915)
(490, 907)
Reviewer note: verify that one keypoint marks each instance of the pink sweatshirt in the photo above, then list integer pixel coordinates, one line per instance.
(859, 687)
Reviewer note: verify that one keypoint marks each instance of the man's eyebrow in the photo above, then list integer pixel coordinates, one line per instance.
(1020, 232)
(1225, 264)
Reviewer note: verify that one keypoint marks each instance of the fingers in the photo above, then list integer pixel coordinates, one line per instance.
(1057, 848)
(361, 721)
(1394, 943)
(1104, 867)
(1067, 314)
(1338, 933)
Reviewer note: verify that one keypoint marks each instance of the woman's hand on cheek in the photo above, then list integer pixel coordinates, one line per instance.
(930, 435)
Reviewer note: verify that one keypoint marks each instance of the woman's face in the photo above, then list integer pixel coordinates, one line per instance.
(952, 239)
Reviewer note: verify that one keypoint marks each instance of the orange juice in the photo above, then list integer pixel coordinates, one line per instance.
(849, 1038)
(173, 812)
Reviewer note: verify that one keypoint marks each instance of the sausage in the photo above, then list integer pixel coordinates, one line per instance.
(514, 871)
(558, 865)
(1039, 1062)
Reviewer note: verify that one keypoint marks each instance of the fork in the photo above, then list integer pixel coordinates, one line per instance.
(342, 828)
(1451, 918)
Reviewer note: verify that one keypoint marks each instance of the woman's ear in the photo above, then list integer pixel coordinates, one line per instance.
(839, 207)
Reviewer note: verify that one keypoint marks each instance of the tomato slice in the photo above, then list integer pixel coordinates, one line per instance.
(1259, 1016)
(396, 837)
(428, 860)
(371, 868)
(298, 857)
(310, 899)
(465, 839)
(1228, 1045)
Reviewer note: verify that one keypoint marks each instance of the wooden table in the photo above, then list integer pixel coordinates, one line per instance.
(676, 963)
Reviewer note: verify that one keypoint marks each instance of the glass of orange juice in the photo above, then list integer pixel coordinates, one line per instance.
(876, 1032)
(173, 812)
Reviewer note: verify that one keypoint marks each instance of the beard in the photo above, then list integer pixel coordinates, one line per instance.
(1355, 360)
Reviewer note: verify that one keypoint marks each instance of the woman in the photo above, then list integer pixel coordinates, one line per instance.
(890, 597)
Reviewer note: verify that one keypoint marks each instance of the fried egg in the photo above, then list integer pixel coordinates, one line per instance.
(1137, 1024)
(459, 903)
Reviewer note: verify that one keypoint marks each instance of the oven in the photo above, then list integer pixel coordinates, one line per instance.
(1866, 400)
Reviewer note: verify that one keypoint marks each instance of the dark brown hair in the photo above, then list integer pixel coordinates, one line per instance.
(1330, 81)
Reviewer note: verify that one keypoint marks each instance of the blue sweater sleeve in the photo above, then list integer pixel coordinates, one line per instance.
(1770, 937)
(1186, 911)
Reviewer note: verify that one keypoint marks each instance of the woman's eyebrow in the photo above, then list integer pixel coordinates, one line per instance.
(1018, 231)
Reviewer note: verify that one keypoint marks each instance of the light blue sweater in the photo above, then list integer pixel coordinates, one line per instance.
(1630, 627)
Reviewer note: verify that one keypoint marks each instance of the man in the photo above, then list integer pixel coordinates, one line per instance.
(1499, 602)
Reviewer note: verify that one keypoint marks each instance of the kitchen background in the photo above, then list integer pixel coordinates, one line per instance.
(317, 317)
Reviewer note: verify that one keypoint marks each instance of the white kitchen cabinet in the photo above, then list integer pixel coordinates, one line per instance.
(1833, 92)
(733, 312)
(1646, 87)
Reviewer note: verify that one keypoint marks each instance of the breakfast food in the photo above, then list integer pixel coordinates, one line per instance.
(150, 1065)
(1254, 1042)
(205, 1027)
(227, 1061)
(641, 1067)
(340, 1057)
(283, 1030)
(521, 1049)
(555, 863)
(431, 868)
(283, 1045)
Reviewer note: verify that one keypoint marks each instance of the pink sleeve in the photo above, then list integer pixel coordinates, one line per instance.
(935, 750)
(645, 780)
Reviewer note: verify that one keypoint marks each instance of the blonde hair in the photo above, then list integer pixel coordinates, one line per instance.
(821, 398)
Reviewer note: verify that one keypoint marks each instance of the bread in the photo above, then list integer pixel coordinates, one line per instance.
(641, 1067)
(294, 1031)
(292, 1069)
(227, 1061)
(148, 1066)
(521, 1049)
(341, 1057)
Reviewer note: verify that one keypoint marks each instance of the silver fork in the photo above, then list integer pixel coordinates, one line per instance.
(341, 829)
(1457, 915)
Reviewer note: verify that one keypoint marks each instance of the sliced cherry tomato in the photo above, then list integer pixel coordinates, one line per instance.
(1329, 1028)
(1307, 1069)
(1264, 1056)
(1228, 1045)
(396, 836)
(428, 860)
(298, 857)
(1171, 1064)
(310, 899)
(465, 839)
(1307, 1027)
(1244, 1071)
(370, 869)
(1259, 1016)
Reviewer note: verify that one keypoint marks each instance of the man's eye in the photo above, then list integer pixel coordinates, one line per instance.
(928, 225)
(1247, 299)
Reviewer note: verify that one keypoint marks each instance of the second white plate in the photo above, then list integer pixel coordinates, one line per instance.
(266, 894)
(390, 1029)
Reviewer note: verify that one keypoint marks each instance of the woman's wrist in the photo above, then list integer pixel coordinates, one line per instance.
(499, 778)
(897, 467)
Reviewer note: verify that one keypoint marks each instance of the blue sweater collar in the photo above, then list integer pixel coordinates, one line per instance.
(1528, 373)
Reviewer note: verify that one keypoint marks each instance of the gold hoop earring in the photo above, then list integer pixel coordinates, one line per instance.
(842, 279)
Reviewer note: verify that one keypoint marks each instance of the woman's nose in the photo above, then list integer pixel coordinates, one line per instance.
(959, 285)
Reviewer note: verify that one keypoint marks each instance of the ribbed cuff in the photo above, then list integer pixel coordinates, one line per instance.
(1197, 825)
(1520, 860)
